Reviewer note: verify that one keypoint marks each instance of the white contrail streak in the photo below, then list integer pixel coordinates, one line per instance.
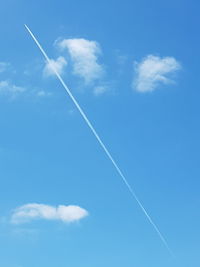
(100, 141)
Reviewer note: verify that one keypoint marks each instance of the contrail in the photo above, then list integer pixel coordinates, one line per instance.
(100, 141)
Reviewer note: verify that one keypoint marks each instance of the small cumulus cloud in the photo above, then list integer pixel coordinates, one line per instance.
(29, 212)
(7, 87)
(153, 71)
(59, 64)
(43, 93)
(99, 90)
(84, 55)
(4, 66)
(11, 90)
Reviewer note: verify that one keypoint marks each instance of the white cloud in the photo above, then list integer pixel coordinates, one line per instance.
(7, 87)
(58, 64)
(4, 66)
(84, 55)
(152, 71)
(33, 211)
(99, 90)
(43, 93)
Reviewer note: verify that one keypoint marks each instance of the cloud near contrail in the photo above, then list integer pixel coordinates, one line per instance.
(84, 55)
(59, 64)
(100, 142)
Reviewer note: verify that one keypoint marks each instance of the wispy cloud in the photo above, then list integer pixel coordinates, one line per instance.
(4, 66)
(99, 90)
(153, 71)
(84, 54)
(59, 64)
(33, 211)
(7, 87)
(13, 91)
(43, 93)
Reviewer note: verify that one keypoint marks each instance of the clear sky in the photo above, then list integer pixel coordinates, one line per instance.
(133, 66)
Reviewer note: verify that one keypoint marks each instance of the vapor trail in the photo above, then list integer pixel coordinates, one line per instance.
(100, 142)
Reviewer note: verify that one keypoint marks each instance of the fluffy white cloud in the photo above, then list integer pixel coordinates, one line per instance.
(57, 64)
(4, 66)
(32, 211)
(152, 71)
(84, 55)
(7, 87)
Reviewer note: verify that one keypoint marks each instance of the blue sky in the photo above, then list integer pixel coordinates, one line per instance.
(133, 66)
